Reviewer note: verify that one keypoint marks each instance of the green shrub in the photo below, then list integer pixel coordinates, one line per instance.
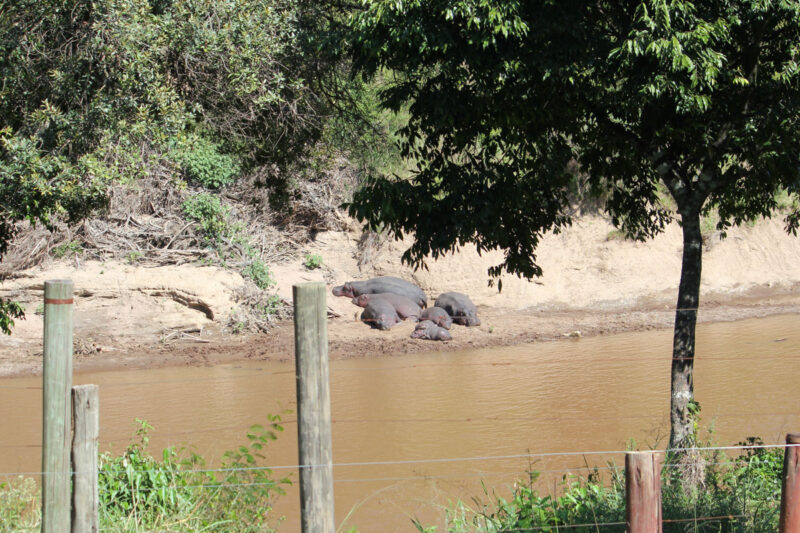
(134, 257)
(67, 249)
(313, 261)
(743, 493)
(259, 272)
(205, 165)
(137, 483)
(175, 493)
(210, 213)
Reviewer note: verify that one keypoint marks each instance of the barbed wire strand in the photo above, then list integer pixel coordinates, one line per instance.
(457, 459)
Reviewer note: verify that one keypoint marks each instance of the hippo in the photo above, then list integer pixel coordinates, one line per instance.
(351, 289)
(460, 307)
(380, 314)
(428, 330)
(404, 307)
(438, 316)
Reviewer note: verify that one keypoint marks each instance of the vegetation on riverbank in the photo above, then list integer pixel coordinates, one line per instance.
(705, 491)
(709, 491)
(174, 493)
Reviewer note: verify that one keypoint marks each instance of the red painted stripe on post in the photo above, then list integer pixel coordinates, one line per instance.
(57, 301)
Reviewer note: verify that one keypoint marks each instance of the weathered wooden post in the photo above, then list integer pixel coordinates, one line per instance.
(790, 493)
(313, 408)
(643, 492)
(57, 422)
(86, 433)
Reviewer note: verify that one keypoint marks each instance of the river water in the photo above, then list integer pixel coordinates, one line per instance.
(437, 425)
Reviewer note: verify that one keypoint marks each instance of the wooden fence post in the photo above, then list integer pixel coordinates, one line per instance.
(56, 419)
(790, 493)
(313, 408)
(86, 424)
(643, 492)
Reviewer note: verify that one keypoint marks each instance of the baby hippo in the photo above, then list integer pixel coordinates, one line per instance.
(460, 307)
(438, 316)
(380, 314)
(428, 330)
(404, 307)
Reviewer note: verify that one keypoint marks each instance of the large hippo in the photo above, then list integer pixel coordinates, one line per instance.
(460, 307)
(404, 307)
(428, 330)
(380, 314)
(438, 316)
(351, 289)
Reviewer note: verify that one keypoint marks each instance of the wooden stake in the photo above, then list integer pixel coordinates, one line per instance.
(313, 408)
(56, 420)
(790, 493)
(86, 424)
(643, 492)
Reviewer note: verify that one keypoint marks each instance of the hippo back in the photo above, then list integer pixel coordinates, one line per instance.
(380, 314)
(460, 307)
(428, 330)
(438, 316)
(405, 307)
(391, 284)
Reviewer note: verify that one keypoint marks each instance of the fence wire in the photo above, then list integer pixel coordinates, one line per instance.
(442, 460)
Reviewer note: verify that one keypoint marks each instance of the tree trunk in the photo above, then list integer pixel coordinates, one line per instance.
(682, 387)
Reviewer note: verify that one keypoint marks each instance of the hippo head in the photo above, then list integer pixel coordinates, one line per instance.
(444, 321)
(384, 321)
(471, 319)
(343, 290)
(362, 300)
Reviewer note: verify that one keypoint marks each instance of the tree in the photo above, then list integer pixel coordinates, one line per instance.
(95, 92)
(700, 101)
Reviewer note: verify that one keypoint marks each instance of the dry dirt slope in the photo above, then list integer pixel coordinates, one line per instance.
(593, 282)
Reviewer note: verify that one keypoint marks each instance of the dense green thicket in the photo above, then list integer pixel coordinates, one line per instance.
(124, 87)
(175, 93)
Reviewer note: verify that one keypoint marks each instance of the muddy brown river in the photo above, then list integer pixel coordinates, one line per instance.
(435, 425)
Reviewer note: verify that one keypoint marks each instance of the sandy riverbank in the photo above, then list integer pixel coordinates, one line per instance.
(594, 283)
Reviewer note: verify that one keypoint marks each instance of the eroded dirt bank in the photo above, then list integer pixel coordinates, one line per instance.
(594, 283)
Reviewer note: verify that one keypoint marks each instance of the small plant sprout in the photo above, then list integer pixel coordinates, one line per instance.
(313, 261)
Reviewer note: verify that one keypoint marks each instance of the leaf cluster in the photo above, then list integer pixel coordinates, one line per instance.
(177, 493)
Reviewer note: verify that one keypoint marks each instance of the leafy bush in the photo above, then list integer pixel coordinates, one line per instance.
(141, 493)
(67, 249)
(313, 261)
(210, 213)
(205, 165)
(259, 272)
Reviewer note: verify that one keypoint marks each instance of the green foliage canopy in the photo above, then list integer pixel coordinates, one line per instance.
(702, 97)
(114, 90)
